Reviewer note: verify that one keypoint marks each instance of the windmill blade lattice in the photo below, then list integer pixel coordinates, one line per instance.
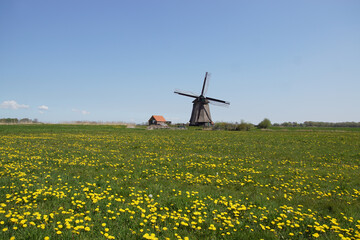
(186, 93)
(218, 100)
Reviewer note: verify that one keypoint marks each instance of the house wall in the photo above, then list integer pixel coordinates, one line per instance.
(152, 121)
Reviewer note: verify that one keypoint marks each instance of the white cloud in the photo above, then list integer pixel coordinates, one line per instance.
(83, 112)
(43, 108)
(12, 105)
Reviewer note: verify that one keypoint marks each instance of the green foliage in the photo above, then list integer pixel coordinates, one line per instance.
(242, 126)
(319, 124)
(329, 124)
(9, 120)
(15, 120)
(264, 124)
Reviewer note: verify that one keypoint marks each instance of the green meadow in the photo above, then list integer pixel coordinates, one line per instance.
(110, 182)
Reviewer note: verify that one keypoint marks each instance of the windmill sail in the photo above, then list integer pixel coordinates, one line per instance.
(204, 85)
(187, 94)
(218, 101)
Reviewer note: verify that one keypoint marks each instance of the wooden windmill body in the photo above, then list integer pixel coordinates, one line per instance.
(200, 115)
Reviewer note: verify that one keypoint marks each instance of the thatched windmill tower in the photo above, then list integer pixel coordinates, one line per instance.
(200, 115)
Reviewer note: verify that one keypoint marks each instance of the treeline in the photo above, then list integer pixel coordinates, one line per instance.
(266, 123)
(317, 124)
(15, 120)
(242, 126)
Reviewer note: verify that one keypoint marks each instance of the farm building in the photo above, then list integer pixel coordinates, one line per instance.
(158, 120)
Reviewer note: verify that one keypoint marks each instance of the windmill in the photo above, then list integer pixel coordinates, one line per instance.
(200, 115)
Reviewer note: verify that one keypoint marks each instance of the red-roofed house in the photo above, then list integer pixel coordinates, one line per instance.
(157, 120)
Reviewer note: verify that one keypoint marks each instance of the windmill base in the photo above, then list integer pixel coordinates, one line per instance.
(200, 115)
(204, 124)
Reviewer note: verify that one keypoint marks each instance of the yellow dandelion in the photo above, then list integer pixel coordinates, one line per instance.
(316, 235)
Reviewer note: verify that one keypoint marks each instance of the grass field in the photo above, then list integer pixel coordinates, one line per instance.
(98, 182)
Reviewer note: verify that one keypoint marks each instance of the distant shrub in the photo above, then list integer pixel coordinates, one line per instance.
(9, 120)
(318, 124)
(264, 124)
(330, 124)
(15, 120)
(221, 126)
(243, 126)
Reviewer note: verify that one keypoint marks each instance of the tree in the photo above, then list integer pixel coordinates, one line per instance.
(264, 123)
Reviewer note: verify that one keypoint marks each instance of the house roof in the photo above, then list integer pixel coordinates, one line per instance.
(159, 118)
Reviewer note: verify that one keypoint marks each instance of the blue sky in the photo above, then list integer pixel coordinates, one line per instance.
(122, 60)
